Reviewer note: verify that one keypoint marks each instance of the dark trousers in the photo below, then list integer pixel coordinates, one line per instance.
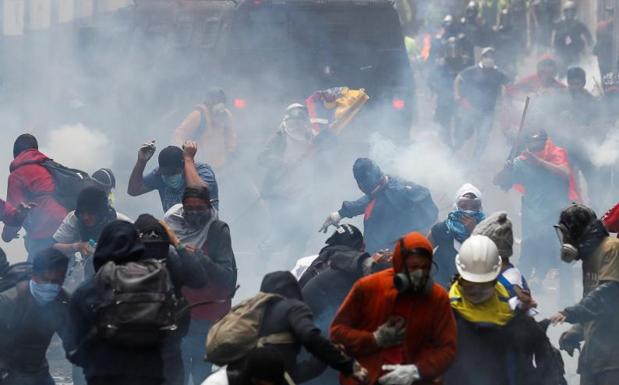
(609, 377)
(173, 368)
(25, 378)
(124, 380)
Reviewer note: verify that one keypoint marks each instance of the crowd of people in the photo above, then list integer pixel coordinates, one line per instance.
(414, 297)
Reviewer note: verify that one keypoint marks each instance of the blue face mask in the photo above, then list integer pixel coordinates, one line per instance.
(44, 293)
(175, 182)
(455, 225)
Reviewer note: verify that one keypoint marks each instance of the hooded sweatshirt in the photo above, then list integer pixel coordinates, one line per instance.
(430, 341)
(29, 181)
(294, 316)
(120, 243)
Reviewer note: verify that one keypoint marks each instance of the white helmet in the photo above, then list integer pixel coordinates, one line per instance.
(478, 260)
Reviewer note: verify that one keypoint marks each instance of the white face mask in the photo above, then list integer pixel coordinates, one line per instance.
(487, 62)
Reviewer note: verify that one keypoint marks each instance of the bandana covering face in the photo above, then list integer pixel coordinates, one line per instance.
(455, 225)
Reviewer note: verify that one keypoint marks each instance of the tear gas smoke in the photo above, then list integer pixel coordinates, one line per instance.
(79, 146)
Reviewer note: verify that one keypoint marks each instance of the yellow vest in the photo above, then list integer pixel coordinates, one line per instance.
(495, 311)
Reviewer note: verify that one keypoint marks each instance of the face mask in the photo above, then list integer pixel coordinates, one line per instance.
(487, 62)
(477, 294)
(44, 293)
(569, 253)
(196, 218)
(414, 282)
(174, 182)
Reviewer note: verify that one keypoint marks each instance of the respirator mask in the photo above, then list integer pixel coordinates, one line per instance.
(414, 281)
(569, 252)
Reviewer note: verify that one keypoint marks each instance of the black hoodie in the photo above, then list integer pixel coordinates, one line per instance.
(325, 292)
(119, 242)
(294, 316)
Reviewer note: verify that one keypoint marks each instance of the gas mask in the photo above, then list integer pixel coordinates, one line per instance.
(569, 252)
(477, 294)
(175, 182)
(413, 282)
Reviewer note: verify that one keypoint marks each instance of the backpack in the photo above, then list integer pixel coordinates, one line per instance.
(238, 332)
(68, 183)
(16, 273)
(138, 305)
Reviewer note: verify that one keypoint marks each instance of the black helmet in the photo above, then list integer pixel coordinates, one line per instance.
(347, 235)
(575, 219)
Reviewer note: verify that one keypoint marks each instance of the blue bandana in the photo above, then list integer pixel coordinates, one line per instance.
(455, 225)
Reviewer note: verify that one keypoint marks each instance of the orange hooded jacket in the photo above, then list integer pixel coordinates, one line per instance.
(431, 328)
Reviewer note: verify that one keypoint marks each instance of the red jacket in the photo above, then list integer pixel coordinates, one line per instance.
(31, 182)
(8, 214)
(611, 219)
(431, 328)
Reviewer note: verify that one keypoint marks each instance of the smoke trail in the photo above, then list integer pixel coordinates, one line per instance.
(79, 146)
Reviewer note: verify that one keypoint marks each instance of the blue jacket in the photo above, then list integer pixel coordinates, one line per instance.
(398, 208)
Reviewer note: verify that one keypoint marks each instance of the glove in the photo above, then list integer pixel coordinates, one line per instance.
(570, 341)
(359, 373)
(333, 219)
(391, 333)
(399, 375)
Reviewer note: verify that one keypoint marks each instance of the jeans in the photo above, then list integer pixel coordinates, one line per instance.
(194, 352)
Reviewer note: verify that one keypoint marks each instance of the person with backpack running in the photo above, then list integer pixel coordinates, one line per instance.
(277, 317)
(32, 310)
(391, 207)
(30, 181)
(186, 270)
(80, 230)
(120, 318)
(211, 124)
(195, 222)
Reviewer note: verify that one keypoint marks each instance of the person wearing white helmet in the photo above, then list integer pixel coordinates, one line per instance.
(480, 305)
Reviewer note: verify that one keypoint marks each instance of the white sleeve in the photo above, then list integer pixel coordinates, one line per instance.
(68, 231)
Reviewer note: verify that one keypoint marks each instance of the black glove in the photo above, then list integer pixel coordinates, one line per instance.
(570, 340)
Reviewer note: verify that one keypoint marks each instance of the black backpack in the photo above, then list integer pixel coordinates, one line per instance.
(138, 305)
(16, 273)
(68, 183)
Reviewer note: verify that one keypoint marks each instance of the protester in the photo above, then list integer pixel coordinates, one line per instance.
(186, 270)
(103, 361)
(498, 228)
(264, 366)
(604, 41)
(542, 173)
(398, 323)
(441, 80)
(195, 222)
(80, 230)
(31, 312)
(571, 37)
(14, 216)
(291, 160)
(391, 207)
(106, 179)
(583, 237)
(447, 236)
(211, 124)
(292, 315)
(543, 81)
(490, 334)
(177, 170)
(477, 90)
(30, 181)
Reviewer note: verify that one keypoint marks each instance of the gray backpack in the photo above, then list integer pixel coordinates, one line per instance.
(138, 305)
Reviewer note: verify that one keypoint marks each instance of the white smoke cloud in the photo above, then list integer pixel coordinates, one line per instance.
(605, 153)
(427, 161)
(79, 147)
